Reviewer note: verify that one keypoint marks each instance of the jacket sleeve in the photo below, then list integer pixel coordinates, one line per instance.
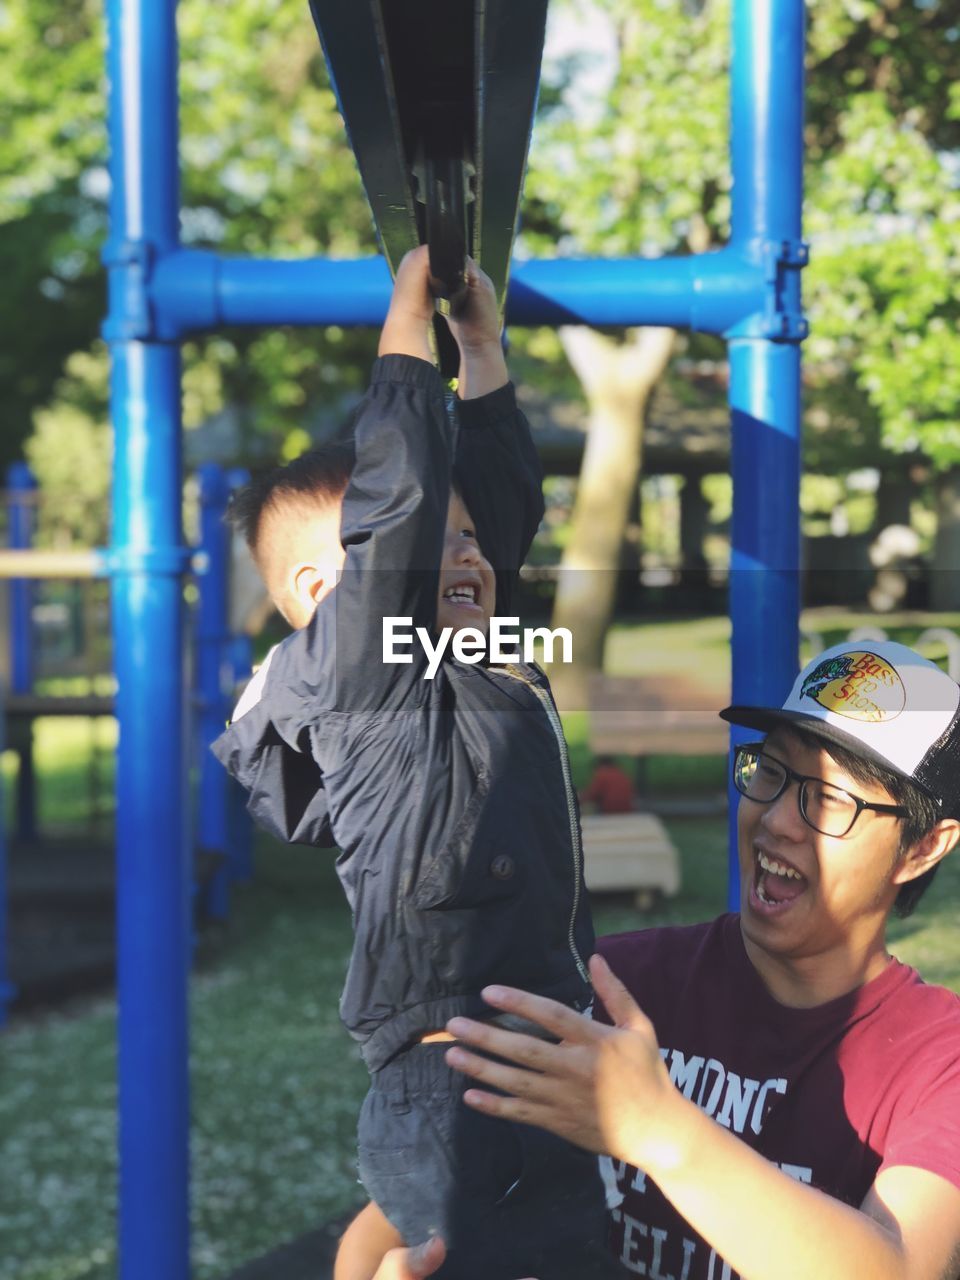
(285, 788)
(499, 475)
(392, 530)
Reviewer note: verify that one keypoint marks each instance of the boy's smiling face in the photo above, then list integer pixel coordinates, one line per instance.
(467, 592)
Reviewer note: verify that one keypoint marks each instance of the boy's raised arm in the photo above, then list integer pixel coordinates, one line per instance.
(394, 509)
(392, 529)
(496, 465)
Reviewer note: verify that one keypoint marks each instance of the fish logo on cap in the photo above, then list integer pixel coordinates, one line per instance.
(859, 685)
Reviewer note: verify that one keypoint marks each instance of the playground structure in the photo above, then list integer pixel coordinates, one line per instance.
(220, 832)
(160, 292)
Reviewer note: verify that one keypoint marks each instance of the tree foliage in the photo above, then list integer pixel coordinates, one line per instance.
(645, 170)
(264, 172)
(51, 226)
(639, 167)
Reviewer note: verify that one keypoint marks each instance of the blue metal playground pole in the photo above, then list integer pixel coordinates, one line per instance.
(148, 560)
(767, 142)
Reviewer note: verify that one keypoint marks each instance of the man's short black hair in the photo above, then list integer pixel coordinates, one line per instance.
(322, 473)
(923, 812)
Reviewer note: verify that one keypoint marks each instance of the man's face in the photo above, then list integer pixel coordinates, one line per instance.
(804, 894)
(467, 591)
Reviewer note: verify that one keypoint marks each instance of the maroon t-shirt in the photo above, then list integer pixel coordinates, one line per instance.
(831, 1094)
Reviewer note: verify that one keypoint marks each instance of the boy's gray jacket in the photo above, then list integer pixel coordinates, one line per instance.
(450, 799)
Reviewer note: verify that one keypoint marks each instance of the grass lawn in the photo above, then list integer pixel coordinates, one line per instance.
(276, 1082)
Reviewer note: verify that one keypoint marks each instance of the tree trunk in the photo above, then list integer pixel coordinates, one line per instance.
(945, 573)
(617, 379)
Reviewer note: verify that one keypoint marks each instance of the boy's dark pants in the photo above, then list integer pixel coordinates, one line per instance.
(509, 1200)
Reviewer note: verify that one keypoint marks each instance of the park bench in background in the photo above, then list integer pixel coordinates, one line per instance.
(669, 715)
(630, 852)
(658, 715)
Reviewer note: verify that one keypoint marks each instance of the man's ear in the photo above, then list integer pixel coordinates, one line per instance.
(928, 851)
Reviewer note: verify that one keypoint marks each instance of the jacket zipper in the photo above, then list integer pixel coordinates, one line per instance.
(554, 718)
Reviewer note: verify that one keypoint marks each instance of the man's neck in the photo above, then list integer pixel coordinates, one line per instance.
(803, 982)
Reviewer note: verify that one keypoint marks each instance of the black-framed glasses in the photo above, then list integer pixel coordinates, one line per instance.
(761, 777)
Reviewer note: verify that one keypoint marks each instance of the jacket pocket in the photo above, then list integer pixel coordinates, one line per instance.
(464, 872)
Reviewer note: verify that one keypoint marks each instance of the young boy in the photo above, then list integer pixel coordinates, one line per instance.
(449, 798)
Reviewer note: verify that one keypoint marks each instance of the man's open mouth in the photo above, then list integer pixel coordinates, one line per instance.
(776, 883)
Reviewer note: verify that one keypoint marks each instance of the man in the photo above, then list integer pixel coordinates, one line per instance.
(790, 1108)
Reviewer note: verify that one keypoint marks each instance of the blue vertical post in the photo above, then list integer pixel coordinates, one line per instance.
(767, 161)
(147, 564)
(22, 517)
(214, 682)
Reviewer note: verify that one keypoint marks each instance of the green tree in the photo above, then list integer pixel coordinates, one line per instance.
(645, 169)
(264, 171)
(884, 217)
(51, 220)
(642, 170)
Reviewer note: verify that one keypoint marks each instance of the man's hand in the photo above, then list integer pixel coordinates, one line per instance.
(406, 330)
(603, 1088)
(607, 1089)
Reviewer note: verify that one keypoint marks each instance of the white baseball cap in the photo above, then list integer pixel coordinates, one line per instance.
(882, 702)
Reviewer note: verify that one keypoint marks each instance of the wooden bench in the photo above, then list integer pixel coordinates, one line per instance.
(629, 852)
(647, 716)
(671, 715)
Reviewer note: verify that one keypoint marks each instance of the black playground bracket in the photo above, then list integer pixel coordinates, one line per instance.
(438, 97)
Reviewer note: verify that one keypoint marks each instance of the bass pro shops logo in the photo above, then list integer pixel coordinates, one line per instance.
(858, 685)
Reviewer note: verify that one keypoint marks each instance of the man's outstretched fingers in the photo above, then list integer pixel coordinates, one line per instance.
(526, 1050)
(516, 1081)
(519, 1110)
(617, 1000)
(566, 1024)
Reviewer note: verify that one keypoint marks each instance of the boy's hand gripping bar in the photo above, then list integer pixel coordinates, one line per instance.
(438, 97)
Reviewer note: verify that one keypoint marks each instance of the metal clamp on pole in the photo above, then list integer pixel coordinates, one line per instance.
(783, 315)
(129, 266)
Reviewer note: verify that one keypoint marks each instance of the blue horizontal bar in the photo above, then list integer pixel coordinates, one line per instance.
(194, 290)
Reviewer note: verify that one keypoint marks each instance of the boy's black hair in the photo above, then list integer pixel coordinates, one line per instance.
(322, 472)
(923, 812)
